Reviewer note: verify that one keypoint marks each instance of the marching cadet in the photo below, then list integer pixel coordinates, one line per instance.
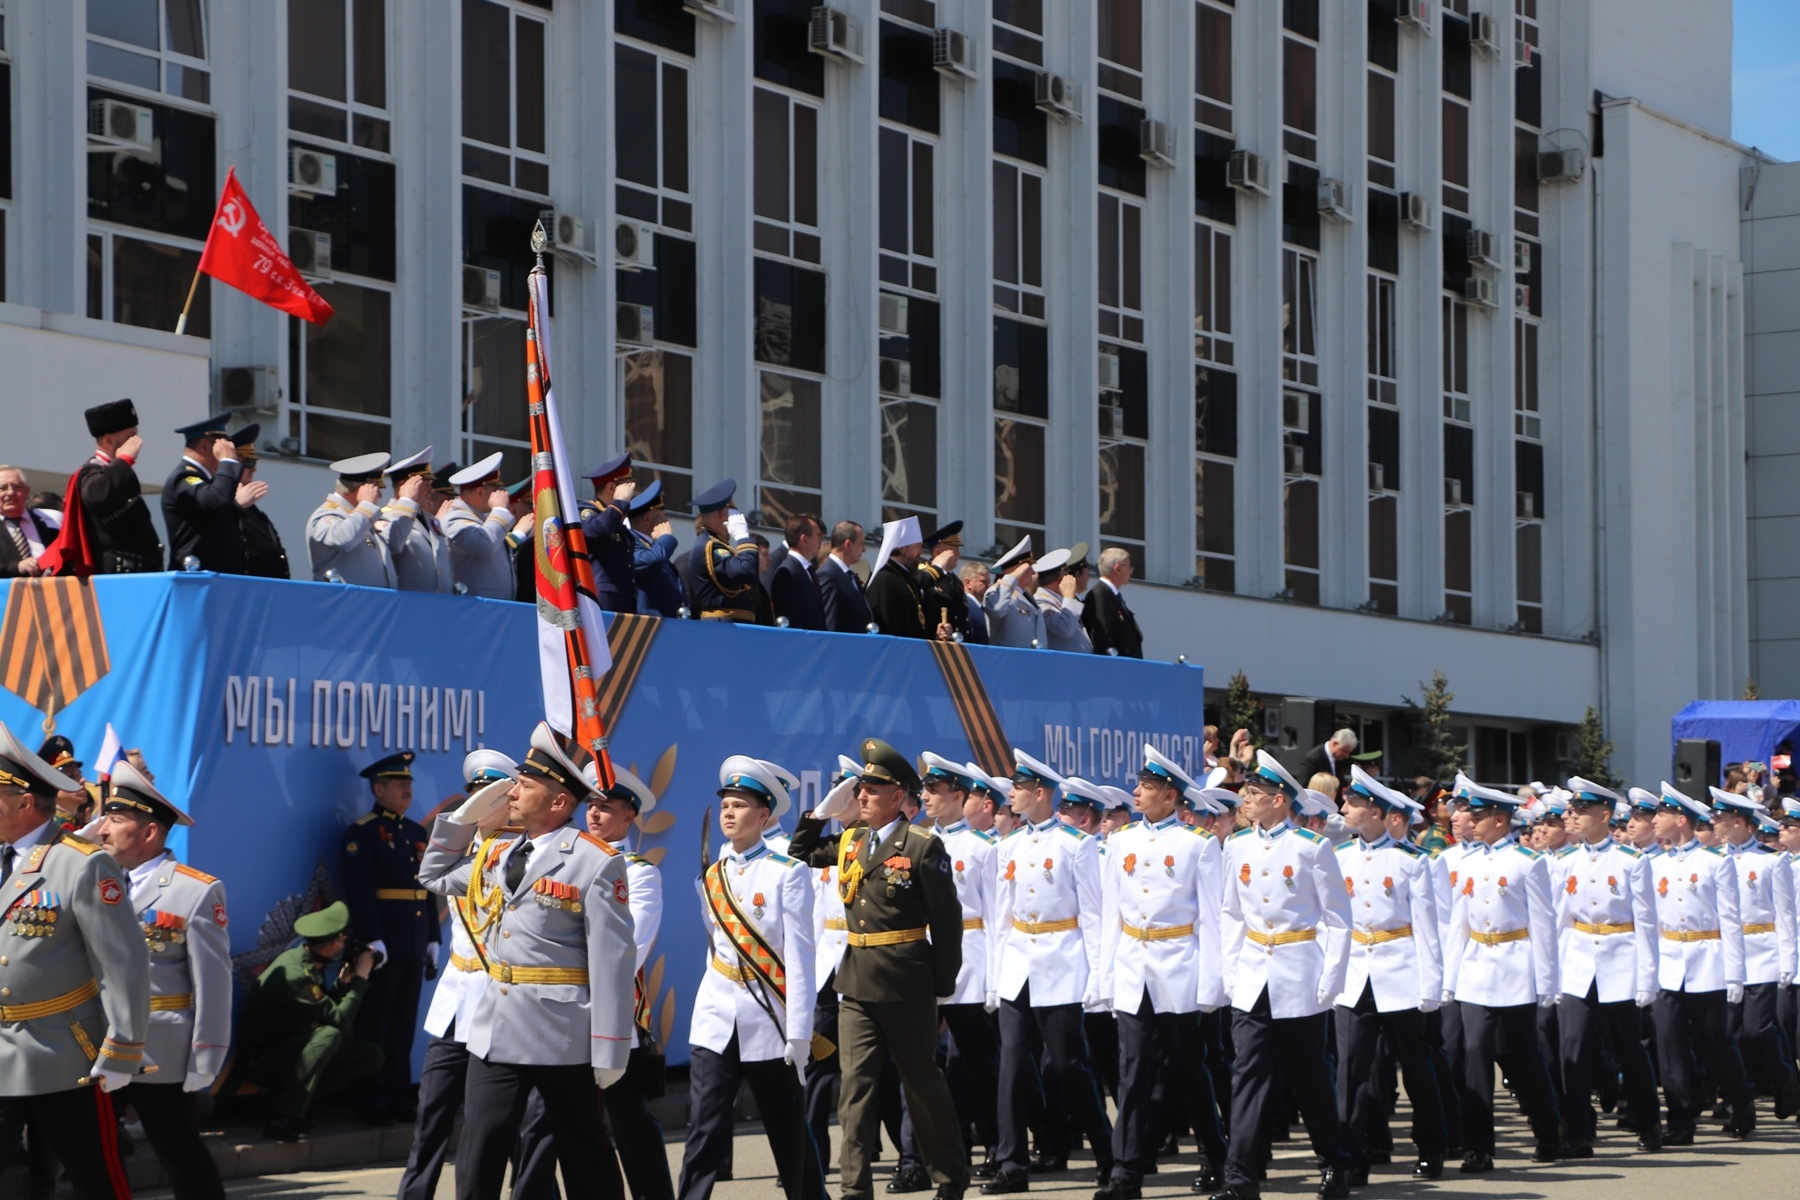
(199, 500)
(550, 910)
(1700, 971)
(1081, 805)
(1640, 823)
(606, 524)
(904, 955)
(653, 555)
(480, 554)
(393, 916)
(983, 803)
(1500, 960)
(1014, 618)
(757, 908)
(893, 590)
(348, 533)
(1162, 884)
(1395, 975)
(830, 938)
(940, 588)
(264, 555)
(1766, 913)
(1118, 810)
(1606, 957)
(721, 573)
(1284, 896)
(1046, 971)
(1788, 831)
(421, 552)
(1055, 598)
(182, 912)
(110, 498)
(72, 965)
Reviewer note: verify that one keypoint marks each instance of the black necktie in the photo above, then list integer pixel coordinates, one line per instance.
(515, 866)
(7, 853)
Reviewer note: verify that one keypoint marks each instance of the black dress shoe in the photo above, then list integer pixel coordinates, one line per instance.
(988, 1169)
(1578, 1149)
(1005, 1183)
(909, 1179)
(950, 1191)
(1428, 1168)
(1334, 1184)
(1650, 1145)
(1237, 1193)
(1477, 1164)
(1741, 1130)
(1548, 1152)
(1209, 1180)
(1102, 1173)
(1048, 1164)
(1678, 1137)
(284, 1129)
(1357, 1176)
(1119, 1189)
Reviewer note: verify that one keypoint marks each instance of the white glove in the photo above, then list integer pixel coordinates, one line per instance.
(991, 1002)
(1547, 1001)
(1327, 996)
(1092, 1003)
(798, 1053)
(839, 802)
(380, 949)
(1786, 980)
(431, 951)
(1211, 1008)
(197, 1081)
(1429, 1005)
(737, 527)
(483, 804)
(1447, 997)
(607, 1076)
(1646, 999)
(1734, 993)
(109, 1079)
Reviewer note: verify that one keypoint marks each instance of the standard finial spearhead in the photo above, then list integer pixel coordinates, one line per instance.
(539, 239)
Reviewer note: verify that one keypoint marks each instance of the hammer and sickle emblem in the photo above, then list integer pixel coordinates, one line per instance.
(231, 216)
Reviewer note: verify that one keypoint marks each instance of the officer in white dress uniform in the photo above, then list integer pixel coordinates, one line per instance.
(1766, 912)
(1161, 884)
(757, 906)
(1062, 614)
(1285, 938)
(1014, 618)
(421, 553)
(480, 554)
(350, 533)
(1045, 943)
(1606, 957)
(1787, 824)
(1395, 976)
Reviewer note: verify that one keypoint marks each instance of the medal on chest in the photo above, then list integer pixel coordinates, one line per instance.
(162, 930)
(898, 873)
(551, 894)
(34, 916)
(757, 906)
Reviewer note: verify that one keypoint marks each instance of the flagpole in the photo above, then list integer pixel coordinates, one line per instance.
(181, 321)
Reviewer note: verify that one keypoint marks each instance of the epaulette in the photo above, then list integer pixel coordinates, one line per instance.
(592, 840)
(1528, 852)
(1074, 832)
(1631, 850)
(987, 835)
(364, 819)
(1345, 845)
(1758, 848)
(191, 480)
(1567, 850)
(1014, 833)
(77, 842)
(191, 873)
(1311, 835)
(1415, 851)
(1240, 833)
(1199, 832)
(1714, 851)
(632, 856)
(776, 856)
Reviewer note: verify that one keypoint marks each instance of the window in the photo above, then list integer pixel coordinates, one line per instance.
(1384, 449)
(1212, 294)
(1299, 329)
(1212, 68)
(340, 390)
(494, 415)
(1300, 98)
(786, 186)
(919, 12)
(1121, 269)
(1302, 410)
(780, 46)
(1459, 499)
(1525, 181)
(503, 96)
(908, 248)
(1528, 535)
(908, 460)
(650, 138)
(143, 279)
(1383, 380)
(153, 45)
(1384, 554)
(337, 71)
(1124, 435)
(1381, 129)
(1456, 360)
(1018, 240)
(1527, 422)
(5, 145)
(1019, 32)
(659, 421)
(1122, 47)
(790, 457)
(1456, 155)
(910, 88)
(1021, 128)
(1215, 468)
(1021, 404)
(789, 321)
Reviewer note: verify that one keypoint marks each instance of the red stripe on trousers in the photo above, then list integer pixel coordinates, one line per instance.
(109, 1143)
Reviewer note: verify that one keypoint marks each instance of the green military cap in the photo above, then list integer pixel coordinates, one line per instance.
(884, 764)
(327, 922)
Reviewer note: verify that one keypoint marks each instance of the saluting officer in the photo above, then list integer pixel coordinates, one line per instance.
(111, 497)
(182, 912)
(1057, 601)
(940, 588)
(609, 542)
(1159, 967)
(264, 555)
(1014, 618)
(653, 555)
(392, 915)
(480, 553)
(199, 500)
(1395, 975)
(421, 551)
(348, 533)
(73, 967)
(721, 573)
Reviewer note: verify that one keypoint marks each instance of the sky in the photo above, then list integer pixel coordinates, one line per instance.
(1765, 89)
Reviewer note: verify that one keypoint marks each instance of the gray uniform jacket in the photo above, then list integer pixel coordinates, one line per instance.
(422, 560)
(571, 913)
(355, 539)
(1062, 626)
(1014, 618)
(70, 942)
(182, 914)
(479, 555)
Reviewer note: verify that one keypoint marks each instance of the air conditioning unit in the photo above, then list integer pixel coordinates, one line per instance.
(1156, 143)
(1521, 257)
(1414, 14)
(120, 125)
(1561, 166)
(896, 377)
(1478, 289)
(311, 252)
(1334, 199)
(1483, 34)
(892, 314)
(1109, 370)
(636, 323)
(1522, 296)
(1481, 248)
(833, 34)
(1293, 459)
(1296, 412)
(1415, 210)
(1377, 478)
(1524, 53)
(1526, 505)
(1112, 422)
(634, 245)
(1453, 494)
(710, 10)
(1057, 96)
(1247, 171)
(953, 53)
(569, 234)
(311, 172)
(481, 289)
(249, 390)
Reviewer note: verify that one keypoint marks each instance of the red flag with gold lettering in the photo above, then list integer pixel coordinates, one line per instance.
(241, 251)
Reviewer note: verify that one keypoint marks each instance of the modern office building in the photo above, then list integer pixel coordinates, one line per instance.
(1388, 335)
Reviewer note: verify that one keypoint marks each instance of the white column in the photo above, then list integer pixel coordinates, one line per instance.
(1418, 333)
(48, 40)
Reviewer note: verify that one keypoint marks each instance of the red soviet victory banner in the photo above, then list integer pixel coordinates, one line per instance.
(241, 251)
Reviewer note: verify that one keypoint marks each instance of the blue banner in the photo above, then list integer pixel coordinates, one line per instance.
(256, 703)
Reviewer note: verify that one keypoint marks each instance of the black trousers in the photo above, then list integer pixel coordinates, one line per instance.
(1787, 1009)
(636, 1134)
(1271, 1052)
(1449, 1081)
(1690, 1024)
(1585, 1023)
(1362, 1085)
(1103, 1044)
(1055, 1030)
(1755, 1025)
(972, 1069)
(389, 1016)
(1549, 1031)
(1221, 1061)
(1148, 1041)
(442, 1079)
(1508, 1036)
(824, 1074)
(494, 1101)
(81, 1128)
(713, 1080)
(173, 1127)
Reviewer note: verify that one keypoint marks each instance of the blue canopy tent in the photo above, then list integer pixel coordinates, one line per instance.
(1746, 730)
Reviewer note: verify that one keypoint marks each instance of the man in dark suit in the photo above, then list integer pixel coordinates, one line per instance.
(1331, 758)
(27, 530)
(846, 608)
(793, 589)
(1111, 625)
(975, 580)
(659, 586)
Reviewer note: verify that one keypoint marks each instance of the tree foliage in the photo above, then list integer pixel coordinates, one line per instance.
(1242, 711)
(1436, 752)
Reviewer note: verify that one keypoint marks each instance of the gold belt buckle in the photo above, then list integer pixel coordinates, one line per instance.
(505, 973)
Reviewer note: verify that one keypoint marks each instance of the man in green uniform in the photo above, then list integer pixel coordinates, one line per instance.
(297, 1028)
(904, 952)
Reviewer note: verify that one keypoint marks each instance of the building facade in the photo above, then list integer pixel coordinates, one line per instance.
(1388, 335)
